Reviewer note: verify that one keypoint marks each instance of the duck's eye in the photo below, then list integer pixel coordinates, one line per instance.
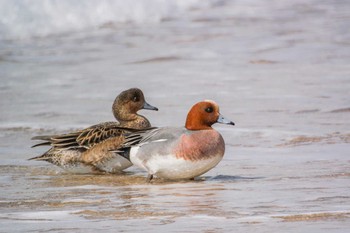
(135, 99)
(209, 109)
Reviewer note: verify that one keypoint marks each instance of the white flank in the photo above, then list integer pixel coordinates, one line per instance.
(172, 168)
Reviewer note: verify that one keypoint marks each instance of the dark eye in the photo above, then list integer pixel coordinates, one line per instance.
(135, 99)
(209, 109)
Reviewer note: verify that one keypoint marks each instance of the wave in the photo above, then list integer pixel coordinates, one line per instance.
(20, 19)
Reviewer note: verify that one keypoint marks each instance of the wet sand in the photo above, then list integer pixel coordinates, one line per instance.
(280, 71)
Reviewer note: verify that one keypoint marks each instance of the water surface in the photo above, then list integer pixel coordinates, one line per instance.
(279, 70)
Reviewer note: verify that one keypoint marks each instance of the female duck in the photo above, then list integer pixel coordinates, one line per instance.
(87, 150)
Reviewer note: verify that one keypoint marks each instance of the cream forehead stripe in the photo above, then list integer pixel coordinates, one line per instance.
(212, 102)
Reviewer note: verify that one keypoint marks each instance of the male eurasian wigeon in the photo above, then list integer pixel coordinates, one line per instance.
(88, 150)
(179, 153)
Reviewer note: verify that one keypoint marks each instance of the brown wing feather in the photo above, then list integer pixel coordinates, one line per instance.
(84, 139)
(98, 133)
(60, 141)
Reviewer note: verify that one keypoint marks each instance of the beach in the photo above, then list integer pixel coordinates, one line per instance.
(278, 69)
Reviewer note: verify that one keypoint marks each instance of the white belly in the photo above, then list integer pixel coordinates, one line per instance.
(114, 165)
(171, 168)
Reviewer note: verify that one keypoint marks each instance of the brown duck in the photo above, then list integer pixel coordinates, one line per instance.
(88, 150)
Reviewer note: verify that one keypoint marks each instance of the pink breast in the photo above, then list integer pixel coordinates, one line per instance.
(201, 144)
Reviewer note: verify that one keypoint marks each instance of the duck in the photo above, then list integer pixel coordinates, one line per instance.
(87, 150)
(179, 153)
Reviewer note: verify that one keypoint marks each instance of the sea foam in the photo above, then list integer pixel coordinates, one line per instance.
(31, 18)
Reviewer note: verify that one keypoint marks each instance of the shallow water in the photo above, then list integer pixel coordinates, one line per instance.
(279, 70)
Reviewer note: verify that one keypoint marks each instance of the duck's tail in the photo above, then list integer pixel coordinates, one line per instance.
(124, 152)
(47, 156)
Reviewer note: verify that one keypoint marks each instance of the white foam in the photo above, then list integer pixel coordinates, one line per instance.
(31, 18)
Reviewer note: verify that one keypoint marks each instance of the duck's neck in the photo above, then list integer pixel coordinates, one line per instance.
(131, 120)
(196, 126)
(123, 115)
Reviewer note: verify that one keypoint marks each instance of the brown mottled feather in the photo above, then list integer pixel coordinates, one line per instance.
(97, 140)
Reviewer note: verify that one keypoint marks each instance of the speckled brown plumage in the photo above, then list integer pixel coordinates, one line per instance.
(90, 147)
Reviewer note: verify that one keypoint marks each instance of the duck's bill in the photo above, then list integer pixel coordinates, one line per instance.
(223, 120)
(149, 107)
